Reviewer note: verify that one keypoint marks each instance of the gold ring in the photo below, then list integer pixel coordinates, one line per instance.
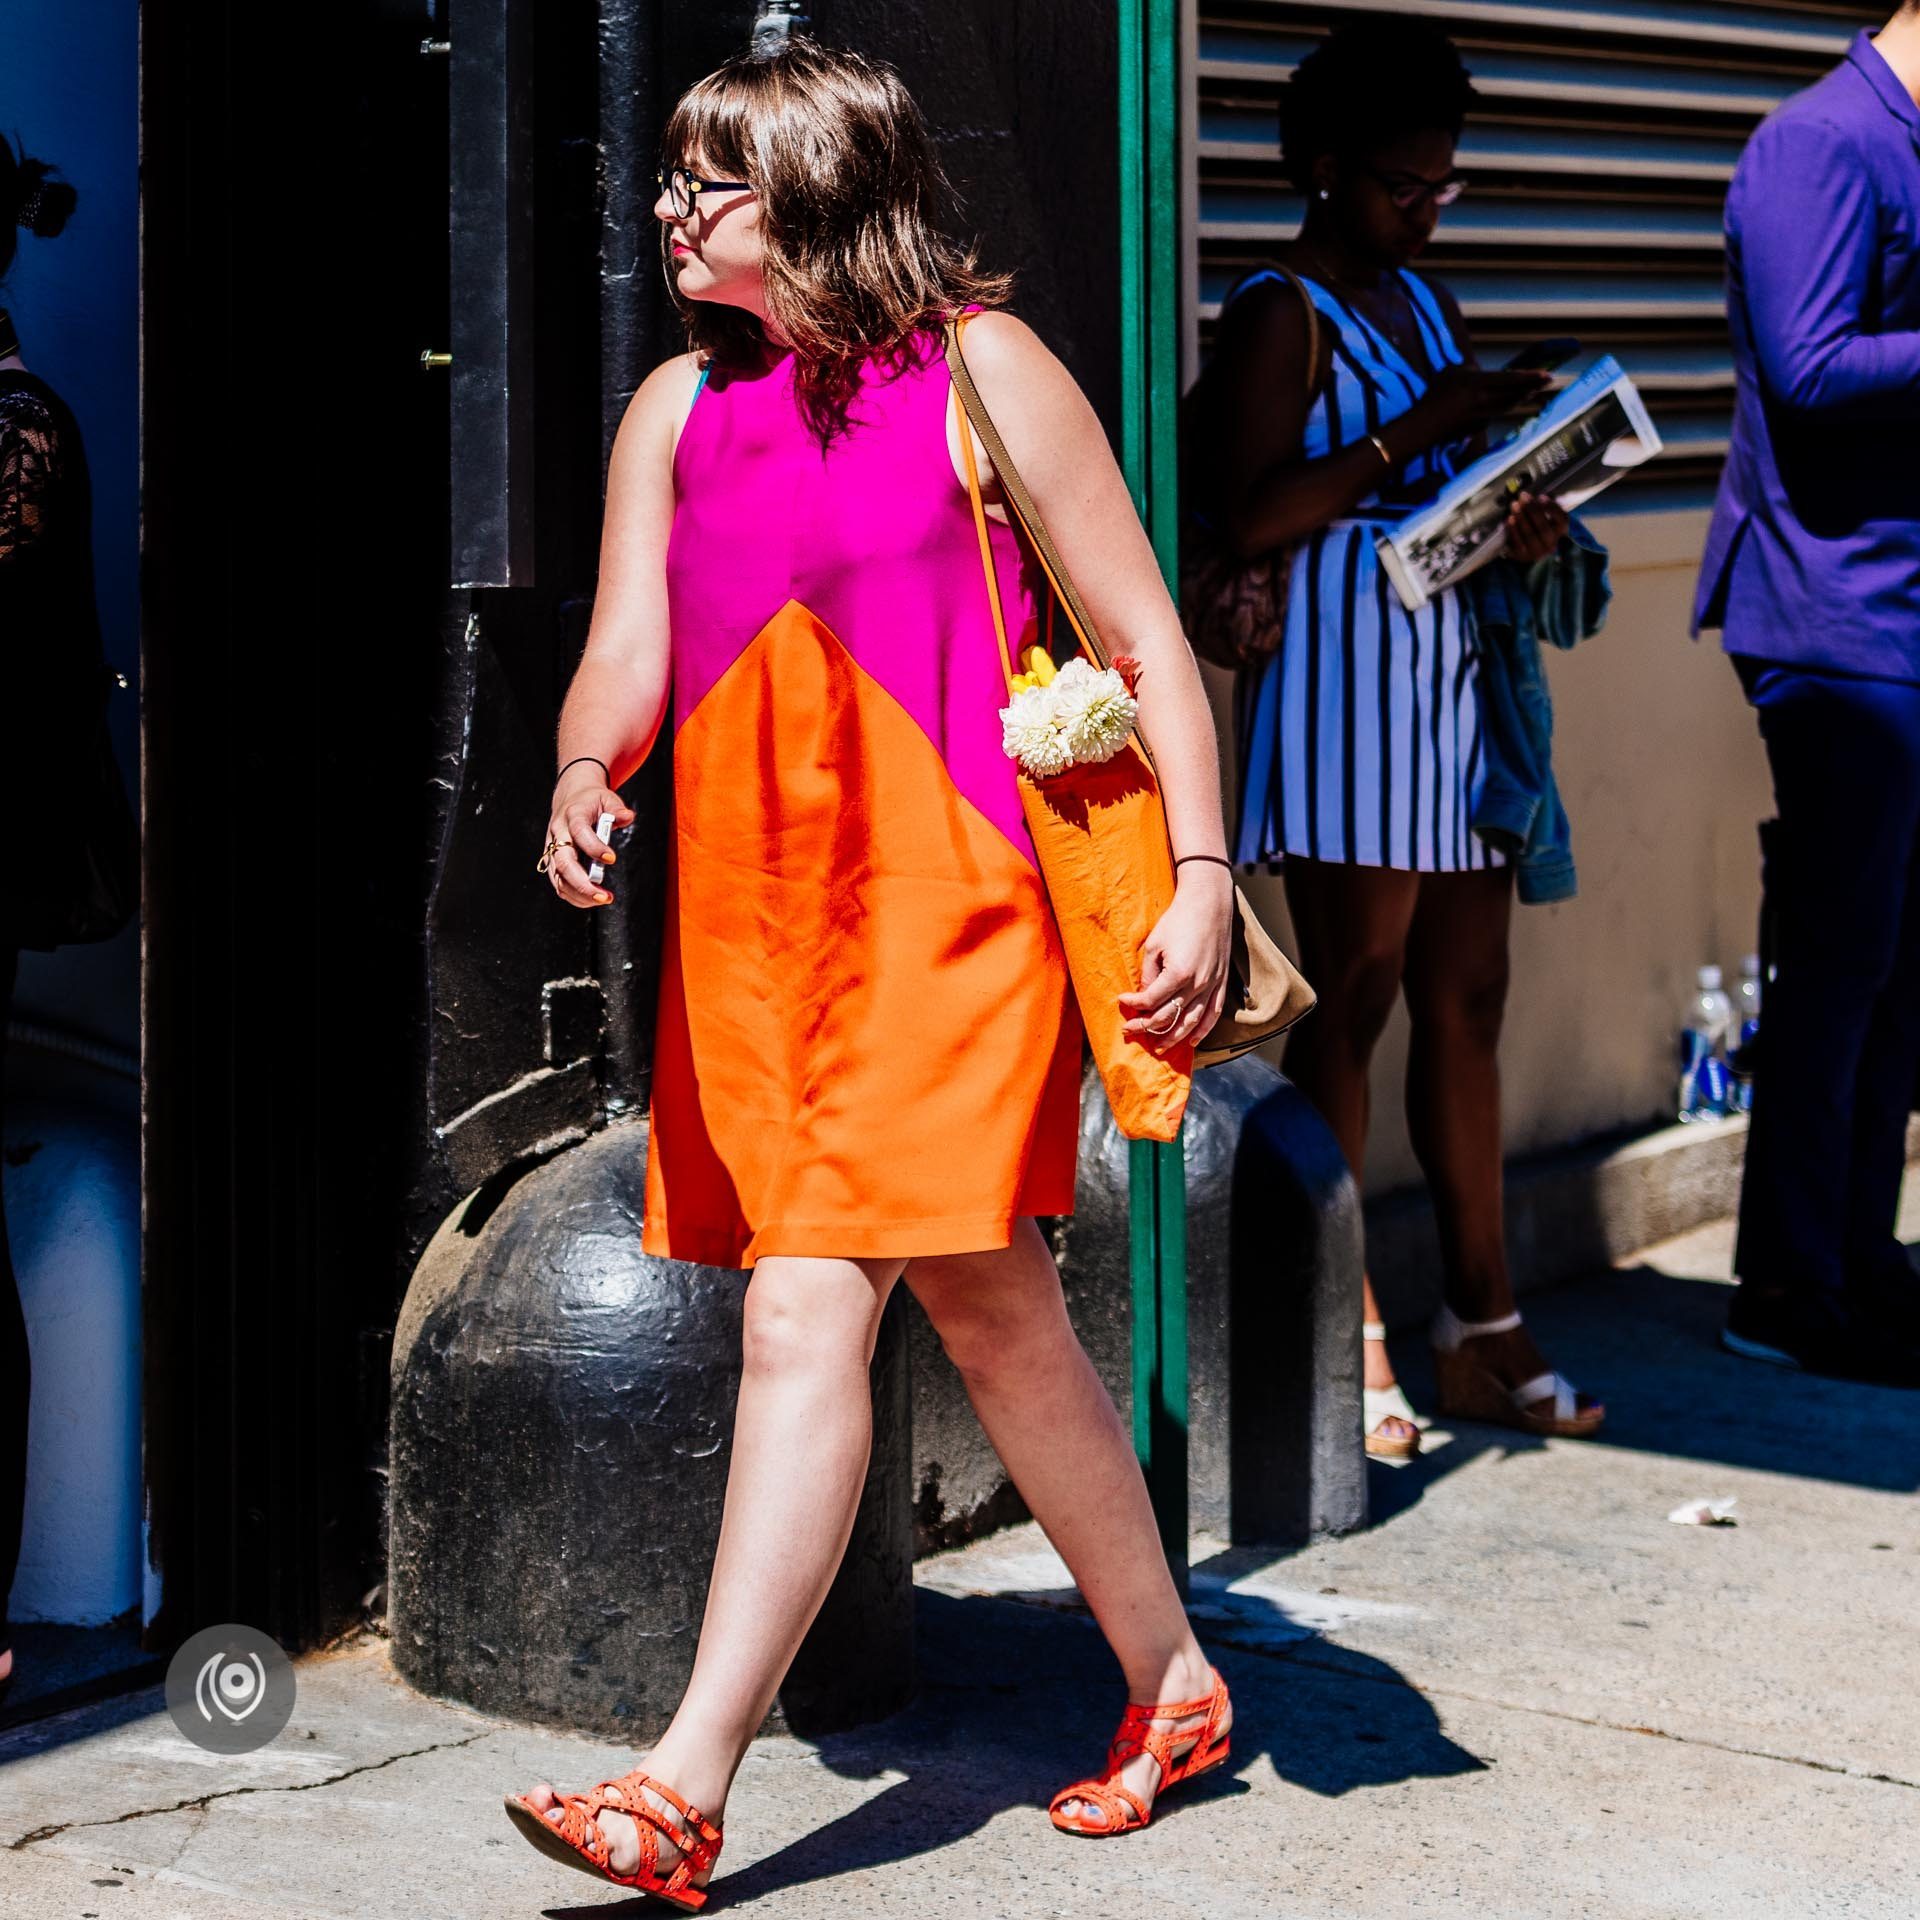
(1172, 1008)
(552, 847)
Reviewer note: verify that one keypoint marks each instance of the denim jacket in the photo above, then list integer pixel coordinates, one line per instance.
(1563, 600)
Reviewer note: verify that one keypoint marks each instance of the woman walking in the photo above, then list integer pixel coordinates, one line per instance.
(867, 1060)
(1360, 750)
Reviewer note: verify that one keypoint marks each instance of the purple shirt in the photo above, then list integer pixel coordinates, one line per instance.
(1813, 557)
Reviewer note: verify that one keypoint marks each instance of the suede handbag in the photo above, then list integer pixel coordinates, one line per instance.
(1100, 832)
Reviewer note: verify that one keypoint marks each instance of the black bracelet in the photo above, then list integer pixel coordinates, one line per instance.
(575, 761)
(1219, 859)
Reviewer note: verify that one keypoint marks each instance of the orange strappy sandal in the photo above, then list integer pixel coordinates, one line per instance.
(1124, 1808)
(576, 1840)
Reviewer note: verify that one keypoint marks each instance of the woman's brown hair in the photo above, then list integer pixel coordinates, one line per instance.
(852, 204)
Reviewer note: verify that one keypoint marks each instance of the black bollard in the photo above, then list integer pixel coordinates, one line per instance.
(1297, 1468)
(562, 1412)
(1273, 1322)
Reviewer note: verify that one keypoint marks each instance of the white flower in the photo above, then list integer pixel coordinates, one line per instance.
(1093, 710)
(1083, 715)
(1031, 734)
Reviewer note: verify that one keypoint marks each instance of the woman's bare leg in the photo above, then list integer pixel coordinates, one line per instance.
(1352, 925)
(1456, 979)
(808, 1340)
(1456, 995)
(1003, 1322)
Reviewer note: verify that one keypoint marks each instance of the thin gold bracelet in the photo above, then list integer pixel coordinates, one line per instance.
(1380, 447)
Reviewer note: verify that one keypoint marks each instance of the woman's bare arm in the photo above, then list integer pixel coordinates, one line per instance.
(618, 698)
(1057, 442)
(1270, 496)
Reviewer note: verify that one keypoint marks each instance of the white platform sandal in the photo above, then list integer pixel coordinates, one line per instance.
(1547, 1404)
(1381, 1404)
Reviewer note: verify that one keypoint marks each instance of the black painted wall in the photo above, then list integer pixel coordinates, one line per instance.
(290, 624)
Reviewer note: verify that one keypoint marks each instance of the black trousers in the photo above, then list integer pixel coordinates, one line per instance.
(15, 1373)
(1840, 1025)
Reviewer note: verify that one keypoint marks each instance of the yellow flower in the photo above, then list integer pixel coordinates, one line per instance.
(1039, 665)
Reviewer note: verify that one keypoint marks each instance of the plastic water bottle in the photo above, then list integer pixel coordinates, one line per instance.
(1703, 1050)
(1746, 1030)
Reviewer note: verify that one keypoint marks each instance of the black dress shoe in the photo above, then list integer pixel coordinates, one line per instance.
(1811, 1335)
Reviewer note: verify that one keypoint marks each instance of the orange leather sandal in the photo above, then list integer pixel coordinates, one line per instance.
(1124, 1808)
(576, 1840)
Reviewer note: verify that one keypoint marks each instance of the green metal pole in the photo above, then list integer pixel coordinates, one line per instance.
(1149, 362)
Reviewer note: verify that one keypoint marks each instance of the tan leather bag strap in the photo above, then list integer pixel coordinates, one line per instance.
(1021, 503)
(1313, 321)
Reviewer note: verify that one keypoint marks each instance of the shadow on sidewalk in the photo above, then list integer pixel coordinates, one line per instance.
(1648, 1343)
(1039, 1714)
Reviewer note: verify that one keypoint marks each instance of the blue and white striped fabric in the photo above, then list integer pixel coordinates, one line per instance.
(1359, 736)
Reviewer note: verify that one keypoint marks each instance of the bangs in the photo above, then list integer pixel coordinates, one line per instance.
(711, 120)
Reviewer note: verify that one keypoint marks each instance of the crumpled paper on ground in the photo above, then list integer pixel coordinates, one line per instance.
(1705, 1513)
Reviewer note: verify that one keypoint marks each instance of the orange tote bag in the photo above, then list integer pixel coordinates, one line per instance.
(1100, 832)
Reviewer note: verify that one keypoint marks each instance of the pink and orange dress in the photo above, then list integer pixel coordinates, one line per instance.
(867, 1045)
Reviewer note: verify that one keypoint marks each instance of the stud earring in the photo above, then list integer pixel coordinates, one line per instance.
(1325, 195)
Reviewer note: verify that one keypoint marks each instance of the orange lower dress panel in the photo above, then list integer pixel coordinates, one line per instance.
(866, 1045)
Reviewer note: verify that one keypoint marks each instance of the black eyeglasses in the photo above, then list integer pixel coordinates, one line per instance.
(683, 188)
(1407, 190)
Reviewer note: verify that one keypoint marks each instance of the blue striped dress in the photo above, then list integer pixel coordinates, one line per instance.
(1359, 736)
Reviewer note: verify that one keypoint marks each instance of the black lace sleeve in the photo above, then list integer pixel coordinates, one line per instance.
(29, 465)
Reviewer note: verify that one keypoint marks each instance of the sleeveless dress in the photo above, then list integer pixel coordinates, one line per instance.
(866, 1045)
(1359, 737)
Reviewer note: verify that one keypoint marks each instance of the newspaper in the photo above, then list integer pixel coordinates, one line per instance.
(1593, 431)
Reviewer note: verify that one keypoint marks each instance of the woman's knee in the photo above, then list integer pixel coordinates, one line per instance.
(1472, 1005)
(982, 1348)
(791, 1323)
(991, 1331)
(1356, 1000)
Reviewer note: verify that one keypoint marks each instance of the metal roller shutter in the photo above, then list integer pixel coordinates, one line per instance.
(1598, 162)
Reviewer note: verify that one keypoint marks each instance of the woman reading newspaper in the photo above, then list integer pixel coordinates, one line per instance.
(1359, 734)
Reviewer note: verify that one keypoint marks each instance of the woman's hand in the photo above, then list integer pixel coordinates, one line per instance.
(1184, 961)
(577, 808)
(1534, 527)
(1461, 399)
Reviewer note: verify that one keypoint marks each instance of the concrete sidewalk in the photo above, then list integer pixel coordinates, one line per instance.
(1521, 1693)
